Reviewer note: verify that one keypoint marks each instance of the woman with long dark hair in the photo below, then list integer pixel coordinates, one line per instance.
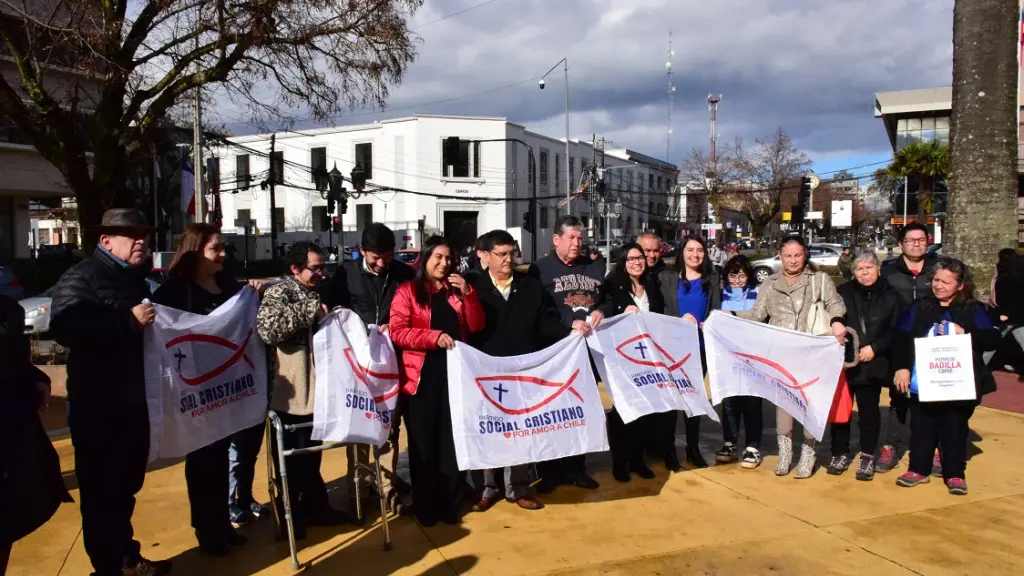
(428, 315)
(198, 284)
(1007, 308)
(633, 288)
(785, 300)
(738, 294)
(691, 292)
(950, 309)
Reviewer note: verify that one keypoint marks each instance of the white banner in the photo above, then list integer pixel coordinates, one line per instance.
(650, 363)
(944, 368)
(795, 371)
(356, 381)
(206, 376)
(524, 409)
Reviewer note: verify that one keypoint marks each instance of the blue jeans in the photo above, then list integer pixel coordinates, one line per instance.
(242, 455)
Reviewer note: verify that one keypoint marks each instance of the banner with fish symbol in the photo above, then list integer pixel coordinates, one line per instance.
(651, 363)
(206, 376)
(524, 409)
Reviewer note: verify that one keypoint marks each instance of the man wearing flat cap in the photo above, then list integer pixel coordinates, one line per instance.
(99, 315)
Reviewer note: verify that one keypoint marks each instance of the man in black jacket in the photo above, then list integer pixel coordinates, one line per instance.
(521, 318)
(909, 276)
(100, 308)
(367, 287)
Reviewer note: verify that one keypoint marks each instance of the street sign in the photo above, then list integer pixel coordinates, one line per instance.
(710, 226)
(787, 216)
(842, 213)
(815, 216)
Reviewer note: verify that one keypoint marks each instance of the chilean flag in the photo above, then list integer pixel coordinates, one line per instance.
(188, 186)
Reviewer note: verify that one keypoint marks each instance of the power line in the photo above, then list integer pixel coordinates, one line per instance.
(454, 14)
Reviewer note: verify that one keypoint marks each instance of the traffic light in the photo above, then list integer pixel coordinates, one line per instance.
(343, 202)
(528, 221)
(330, 202)
(804, 199)
(337, 225)
(421, 224)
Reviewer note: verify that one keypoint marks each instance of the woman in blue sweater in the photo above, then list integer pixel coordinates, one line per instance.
(691, 292)
(738, 295)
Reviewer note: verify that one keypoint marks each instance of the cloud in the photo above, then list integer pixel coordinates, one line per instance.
(811, 67)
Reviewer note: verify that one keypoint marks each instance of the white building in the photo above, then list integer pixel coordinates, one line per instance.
(486, 187)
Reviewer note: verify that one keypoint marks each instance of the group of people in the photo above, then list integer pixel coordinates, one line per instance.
(103, 304)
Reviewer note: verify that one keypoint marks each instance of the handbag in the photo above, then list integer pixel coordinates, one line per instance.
(818, 319)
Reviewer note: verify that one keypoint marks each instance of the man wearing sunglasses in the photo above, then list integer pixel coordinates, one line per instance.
(288, 316)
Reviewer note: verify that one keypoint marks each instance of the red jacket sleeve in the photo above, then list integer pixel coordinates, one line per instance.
(474, 311)
(402, 330)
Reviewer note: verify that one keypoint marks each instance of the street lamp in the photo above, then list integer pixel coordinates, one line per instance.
(568, 184)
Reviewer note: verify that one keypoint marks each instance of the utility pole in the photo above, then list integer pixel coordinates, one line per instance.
(671, 95)
(197, 155)
(273, 199)
(593, 188)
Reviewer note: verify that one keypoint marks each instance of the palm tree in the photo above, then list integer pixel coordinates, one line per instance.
(926, 162)
(983, 134)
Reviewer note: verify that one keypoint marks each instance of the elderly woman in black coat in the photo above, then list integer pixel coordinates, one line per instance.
(31, 487)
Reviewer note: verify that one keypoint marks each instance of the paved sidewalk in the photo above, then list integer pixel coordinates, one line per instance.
(722, 520)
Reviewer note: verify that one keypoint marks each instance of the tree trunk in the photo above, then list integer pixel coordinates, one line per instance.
(983, 134)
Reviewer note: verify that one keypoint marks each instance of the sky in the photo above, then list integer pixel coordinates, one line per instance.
(809, 66)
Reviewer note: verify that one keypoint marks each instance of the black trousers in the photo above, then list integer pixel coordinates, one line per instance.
(935, 423)
(742, 411)
(111, 450)
(306, 488)
(627, 441)
(869, 422)
(436, 481)
(206, 476)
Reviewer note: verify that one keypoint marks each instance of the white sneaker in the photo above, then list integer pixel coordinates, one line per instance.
(751, 458)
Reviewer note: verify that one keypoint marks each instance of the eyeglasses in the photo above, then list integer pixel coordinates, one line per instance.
(915, 240)
(738, 276)
(502, 255)
(316, 269)
(635, 259)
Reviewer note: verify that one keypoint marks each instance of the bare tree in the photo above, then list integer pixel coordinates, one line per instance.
(763, 174)
(97, 77)
(983, 134)
(713, 176)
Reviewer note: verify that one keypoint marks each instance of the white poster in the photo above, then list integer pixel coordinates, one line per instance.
(206, 376)
(356, 381)
(650, 363)
(944, 368)
(524, 409)
(795, 371)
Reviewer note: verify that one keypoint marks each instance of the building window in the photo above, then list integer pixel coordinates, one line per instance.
(320, 219)
(558, 175)
(543, 217)
(650, 208)
(243, 216)
(572, 172)
(364, 156)
(44, 236)
(277, 167)
(629, 180)
(467, 165)
(364, 216)
(543, 168)
(317, 162)
(72, 236)
(279, 219)
(530, 169)
(242, 178)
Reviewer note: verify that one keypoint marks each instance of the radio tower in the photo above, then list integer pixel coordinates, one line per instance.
(713, 100)
(671, 96)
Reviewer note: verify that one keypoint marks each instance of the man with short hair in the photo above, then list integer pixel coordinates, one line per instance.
(367, 287)
(100, 310)
(651, 244)
(520, 319)
(909, 275)
(287, 318)
(576, 285)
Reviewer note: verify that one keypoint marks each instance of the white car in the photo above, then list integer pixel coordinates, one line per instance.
(821, 255)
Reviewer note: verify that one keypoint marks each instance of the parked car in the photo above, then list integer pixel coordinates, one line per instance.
(9, 284)
(820, 255)
(67, 251)
(409, 256)
(37, 312)
(933, 250)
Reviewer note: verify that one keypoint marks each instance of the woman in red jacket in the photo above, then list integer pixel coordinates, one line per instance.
(428, 315)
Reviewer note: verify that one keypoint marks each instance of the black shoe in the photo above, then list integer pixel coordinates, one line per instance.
(641, 470)
(546, 486)
(239, 516)
(452, 518)
(233, 538)
(328, 516)
(145, 567)
(693, 457)
(620, 472)
(672, 462)
(586, 482)
(214, 547)
(257, 509)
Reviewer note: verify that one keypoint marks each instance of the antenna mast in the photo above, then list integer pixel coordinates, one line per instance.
(671, 97)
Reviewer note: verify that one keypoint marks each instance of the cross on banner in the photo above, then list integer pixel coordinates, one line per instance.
(641, 349)
(180, 356)
(500, 392)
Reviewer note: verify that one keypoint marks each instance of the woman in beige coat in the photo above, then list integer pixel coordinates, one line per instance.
(785, 300)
